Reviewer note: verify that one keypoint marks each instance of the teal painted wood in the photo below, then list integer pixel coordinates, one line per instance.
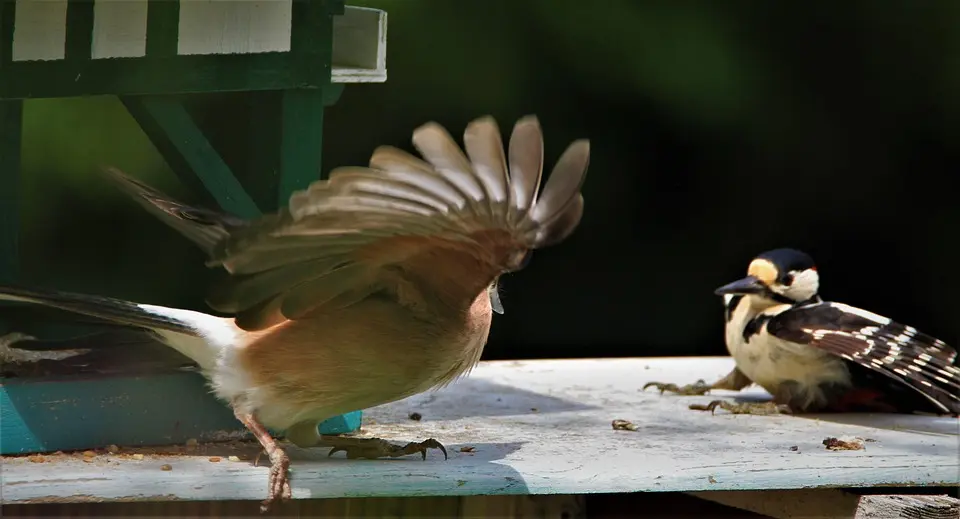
(188, 152)
(69, 413)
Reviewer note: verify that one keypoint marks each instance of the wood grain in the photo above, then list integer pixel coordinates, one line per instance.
(544, 427)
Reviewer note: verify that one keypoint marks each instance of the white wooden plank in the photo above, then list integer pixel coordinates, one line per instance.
(234, 26)
(119, 29)
(359, 53)
(541, 427)
(40, 30)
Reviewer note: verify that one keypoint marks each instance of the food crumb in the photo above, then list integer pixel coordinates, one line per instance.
(166, 467)
(623, 425)
(711, 479)
(137, 456)
(416, 416)
(467, 449)
(89, 454)
(836, 444)
(38, 458)
(113, 449)
(234, 458)
(214, 459)
(461, 482)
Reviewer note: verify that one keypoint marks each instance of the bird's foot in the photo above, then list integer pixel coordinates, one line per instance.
(757, 408)
(279, 486)
(698, 388)
(373, 448)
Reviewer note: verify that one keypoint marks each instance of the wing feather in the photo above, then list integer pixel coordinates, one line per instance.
(900, 352)
(453, 218)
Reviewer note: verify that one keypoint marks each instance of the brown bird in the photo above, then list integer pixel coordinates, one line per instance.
(374, 285)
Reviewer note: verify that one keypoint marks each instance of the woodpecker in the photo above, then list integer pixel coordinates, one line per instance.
(819, 356)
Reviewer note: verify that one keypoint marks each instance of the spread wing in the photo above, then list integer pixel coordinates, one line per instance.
(875, 342)
(451, 220)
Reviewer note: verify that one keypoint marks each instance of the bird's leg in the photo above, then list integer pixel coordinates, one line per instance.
(734, 381)
(279, 487)
(757, 408)
(305, 435)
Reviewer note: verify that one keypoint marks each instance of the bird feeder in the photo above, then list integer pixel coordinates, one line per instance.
(155, 55)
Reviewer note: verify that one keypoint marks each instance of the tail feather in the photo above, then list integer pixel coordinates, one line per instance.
(197, 335)
(107, 308)
(205, 227)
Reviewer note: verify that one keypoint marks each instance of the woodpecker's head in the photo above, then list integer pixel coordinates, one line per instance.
(777, 276)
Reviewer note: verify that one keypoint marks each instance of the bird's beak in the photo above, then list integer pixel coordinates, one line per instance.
(747, 285)
(495, 303)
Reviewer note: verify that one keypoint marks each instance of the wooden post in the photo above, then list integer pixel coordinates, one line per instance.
(11, 122)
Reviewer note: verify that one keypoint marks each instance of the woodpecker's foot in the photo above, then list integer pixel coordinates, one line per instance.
(698, 388)
(373, 448)
(757, 408)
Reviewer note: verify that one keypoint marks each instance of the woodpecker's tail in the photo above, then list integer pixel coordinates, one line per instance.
(205, 227)
(197, 335)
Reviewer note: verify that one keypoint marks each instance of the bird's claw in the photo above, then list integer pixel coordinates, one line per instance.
(755, 408)
(698, 388)
(372, 448)
(279, 482)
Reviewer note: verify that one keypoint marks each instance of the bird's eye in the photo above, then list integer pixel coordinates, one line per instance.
(786, 280)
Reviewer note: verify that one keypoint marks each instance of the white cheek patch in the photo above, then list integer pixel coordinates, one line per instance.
(805, 285)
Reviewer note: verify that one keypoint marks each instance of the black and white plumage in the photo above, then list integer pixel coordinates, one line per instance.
(814, 355)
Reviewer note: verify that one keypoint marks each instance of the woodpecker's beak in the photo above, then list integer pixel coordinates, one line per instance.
(747, 285)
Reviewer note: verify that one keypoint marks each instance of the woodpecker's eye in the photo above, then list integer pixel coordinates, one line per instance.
(786, 280)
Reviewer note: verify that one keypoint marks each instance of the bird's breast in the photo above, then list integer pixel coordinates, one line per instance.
(370, 353)
(794, 373)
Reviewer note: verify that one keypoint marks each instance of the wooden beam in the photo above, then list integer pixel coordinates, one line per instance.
(163, 27)
(11, 122)
(188, 152)
(301, 146)
(899, 506)
(835, 503)
(506, 507)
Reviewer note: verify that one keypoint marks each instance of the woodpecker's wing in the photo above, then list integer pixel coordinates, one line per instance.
(873, 341)
(449, 219)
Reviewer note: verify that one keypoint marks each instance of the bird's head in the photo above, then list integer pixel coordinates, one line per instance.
(779, 276)
(518, 260)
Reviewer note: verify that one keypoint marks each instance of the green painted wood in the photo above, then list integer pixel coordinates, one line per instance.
(79, 30)
(301, 140)
(67, 413)
(7, 15)
(163, 27)
(11, 118)
(188, 152)
(156, 75)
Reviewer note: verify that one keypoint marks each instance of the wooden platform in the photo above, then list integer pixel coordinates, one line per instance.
(536, 427)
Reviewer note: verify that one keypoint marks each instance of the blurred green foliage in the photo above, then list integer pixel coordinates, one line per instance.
(719, 129)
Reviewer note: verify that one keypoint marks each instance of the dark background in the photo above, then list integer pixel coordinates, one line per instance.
(718, 130)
